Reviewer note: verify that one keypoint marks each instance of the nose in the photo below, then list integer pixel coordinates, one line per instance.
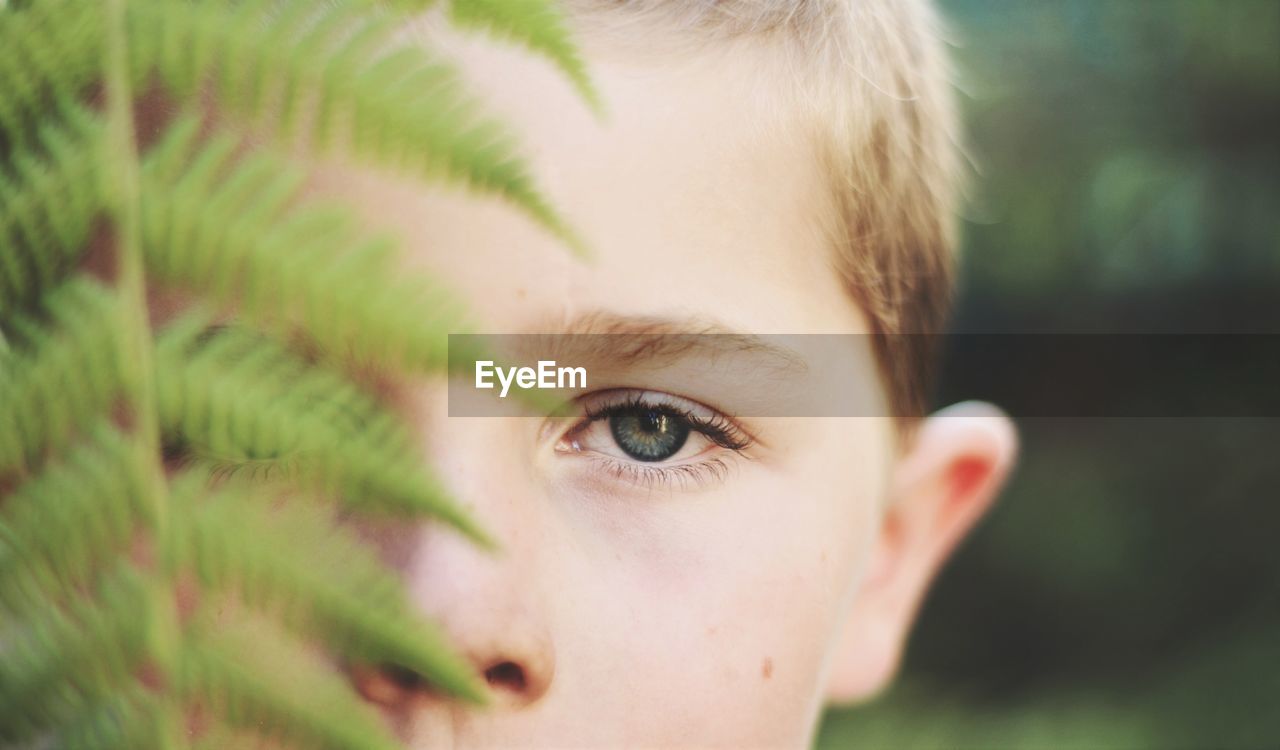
(487, 603)
(488, 609)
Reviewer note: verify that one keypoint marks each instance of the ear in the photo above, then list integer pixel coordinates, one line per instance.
(950, 474)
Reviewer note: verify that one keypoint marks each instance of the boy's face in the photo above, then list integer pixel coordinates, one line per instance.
(715, 597)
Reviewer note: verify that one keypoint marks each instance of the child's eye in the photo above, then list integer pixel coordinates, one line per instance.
(649, 434)
(647, 437)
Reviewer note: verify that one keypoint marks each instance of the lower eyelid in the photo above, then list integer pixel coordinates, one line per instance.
(691, 475)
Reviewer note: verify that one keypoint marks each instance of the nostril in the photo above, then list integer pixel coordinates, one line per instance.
(386, 685)
(403, 678)
(506, 675)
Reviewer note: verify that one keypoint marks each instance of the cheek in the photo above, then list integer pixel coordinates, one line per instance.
(729, 603)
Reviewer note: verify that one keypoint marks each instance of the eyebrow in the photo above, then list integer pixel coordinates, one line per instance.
(643, 339)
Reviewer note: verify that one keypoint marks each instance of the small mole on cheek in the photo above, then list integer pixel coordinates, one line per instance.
(766, 669)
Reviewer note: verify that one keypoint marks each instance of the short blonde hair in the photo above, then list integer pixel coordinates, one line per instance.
(873, 77)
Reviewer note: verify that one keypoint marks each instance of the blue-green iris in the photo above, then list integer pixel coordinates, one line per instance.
(649, 434)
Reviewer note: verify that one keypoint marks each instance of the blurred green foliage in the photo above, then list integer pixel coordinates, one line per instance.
(1126, 591)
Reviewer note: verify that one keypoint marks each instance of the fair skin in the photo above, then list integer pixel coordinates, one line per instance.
(715, 609)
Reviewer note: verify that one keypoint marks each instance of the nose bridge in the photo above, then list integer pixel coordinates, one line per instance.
(480, 475)
(487, 601)
(483, 466)
(480, 461)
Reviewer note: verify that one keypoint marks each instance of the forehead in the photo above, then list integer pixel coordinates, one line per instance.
(698, 192)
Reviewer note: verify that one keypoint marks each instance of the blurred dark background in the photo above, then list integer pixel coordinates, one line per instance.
(1126, 591)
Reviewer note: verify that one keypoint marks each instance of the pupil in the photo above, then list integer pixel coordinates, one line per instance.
(649, 434)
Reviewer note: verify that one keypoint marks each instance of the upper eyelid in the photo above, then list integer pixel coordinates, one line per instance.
(657, 398)
(664, 399)
(736, 431)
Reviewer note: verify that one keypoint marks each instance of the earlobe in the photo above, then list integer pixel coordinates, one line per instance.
(946, 481)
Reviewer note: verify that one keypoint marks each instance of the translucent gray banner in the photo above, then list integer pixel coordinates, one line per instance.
(820, 375)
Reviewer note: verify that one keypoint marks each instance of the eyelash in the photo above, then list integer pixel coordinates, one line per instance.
(717, 428)
(720, 430)
(682, 476)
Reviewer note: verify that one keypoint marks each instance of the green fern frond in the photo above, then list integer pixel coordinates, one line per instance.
(60, 661)
(292, 560)
(241, 228)
(129, 718)
(62, 525)
(538, 24)
(221, 737)
(50, 51)
(48, 203)
(332, 407)
(58, 377)
(114, 561)
(240, 399)
(249, 675)
(340, 78)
